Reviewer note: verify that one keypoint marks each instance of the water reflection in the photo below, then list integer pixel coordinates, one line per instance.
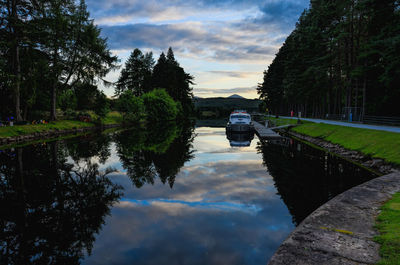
(307, 177)
(178, 195)
(222, 209)
(50, 209)
(158, 151)
(239, 139)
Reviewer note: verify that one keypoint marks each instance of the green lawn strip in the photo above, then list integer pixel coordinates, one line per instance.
(377, 144)
(17, 130)
(388, 225)
(57, 138)
(9, 131)
(112, 117)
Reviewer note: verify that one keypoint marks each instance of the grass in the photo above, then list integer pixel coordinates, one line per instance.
(282, 121)
(388, 224)
(377, 144)
(113, 117)
(17, 130)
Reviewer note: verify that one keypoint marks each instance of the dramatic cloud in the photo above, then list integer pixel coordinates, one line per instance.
(216, 41)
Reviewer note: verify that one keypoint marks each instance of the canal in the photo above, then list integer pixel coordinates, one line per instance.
(174, 194)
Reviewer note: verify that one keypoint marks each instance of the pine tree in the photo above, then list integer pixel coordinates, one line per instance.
(136, 74)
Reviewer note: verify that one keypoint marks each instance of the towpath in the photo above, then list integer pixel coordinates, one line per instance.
(348, 124)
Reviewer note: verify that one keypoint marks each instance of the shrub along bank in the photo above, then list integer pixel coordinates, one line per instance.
(156, 105)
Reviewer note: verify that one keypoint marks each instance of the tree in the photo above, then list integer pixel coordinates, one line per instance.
(340, 59)
(72, 42)
(169, 75)
(136, 74)
(15, 15)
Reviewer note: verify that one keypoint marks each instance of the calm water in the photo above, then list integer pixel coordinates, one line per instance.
(171, 195)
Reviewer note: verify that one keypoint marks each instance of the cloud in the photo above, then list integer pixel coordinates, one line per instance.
(281, 14)
(236, 74)
(225, 91)
(202, 33)
(133, 10)
(192, 40)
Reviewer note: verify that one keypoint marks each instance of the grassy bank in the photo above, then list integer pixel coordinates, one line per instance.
(388, 225)
(377, 144)
(17, 130)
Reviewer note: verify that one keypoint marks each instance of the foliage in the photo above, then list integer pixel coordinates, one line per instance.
(16, 130)
(341, 55)
(46, 175)
(155, 152)
(379, 144)
(113, 117)
(388, 225)
(131, 106)
(47, 49)
(101, 106)
(136, 75)
(159, 106)
(140, 76)
(67, 100)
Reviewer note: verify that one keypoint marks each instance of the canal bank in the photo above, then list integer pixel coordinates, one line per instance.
(51, 133)
(342, 230)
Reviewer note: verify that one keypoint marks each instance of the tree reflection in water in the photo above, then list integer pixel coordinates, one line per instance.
(157, 151)
(307, 177)
(51, 209)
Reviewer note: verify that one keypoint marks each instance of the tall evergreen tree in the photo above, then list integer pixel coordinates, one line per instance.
(339, 60)
(169, 75)
(137, 73)
(15, 14)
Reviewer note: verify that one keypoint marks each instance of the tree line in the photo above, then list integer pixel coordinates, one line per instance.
(48, 51)
(342, 58)
(162, 89)
(52, 56)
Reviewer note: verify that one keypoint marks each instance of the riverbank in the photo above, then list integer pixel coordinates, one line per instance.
(371, 143)
(341, 231)
(325, 234)
(378, 150)
(31, 132)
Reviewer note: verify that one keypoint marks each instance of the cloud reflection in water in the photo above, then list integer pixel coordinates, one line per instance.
(222, 209)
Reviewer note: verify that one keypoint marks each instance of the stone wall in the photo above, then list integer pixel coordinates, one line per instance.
(342, 230)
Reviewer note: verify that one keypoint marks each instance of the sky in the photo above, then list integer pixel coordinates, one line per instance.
(226, 45)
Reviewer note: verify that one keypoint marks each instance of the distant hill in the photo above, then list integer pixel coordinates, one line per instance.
(228, 104)
(222, 107)
(235, 96)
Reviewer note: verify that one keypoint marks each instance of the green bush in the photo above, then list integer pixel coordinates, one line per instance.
(159, 105)
(101, 105)
(131, 106)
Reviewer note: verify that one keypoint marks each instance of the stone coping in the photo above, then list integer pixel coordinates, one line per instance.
(342, 230)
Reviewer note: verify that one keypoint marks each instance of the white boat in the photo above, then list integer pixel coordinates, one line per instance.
(240, 121)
